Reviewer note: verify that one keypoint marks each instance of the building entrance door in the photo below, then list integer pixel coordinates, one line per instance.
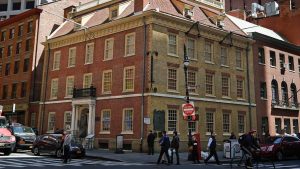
(83, 123)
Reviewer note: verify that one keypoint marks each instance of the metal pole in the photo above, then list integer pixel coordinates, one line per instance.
(186, 60)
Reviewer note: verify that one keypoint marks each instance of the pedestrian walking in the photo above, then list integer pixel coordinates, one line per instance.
(150, 141)
(212, 144)
(67, 138)
(175, 147)
(195, 153)
(164, 147)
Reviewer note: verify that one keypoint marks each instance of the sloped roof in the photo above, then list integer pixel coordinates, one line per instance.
(163, 6)
(248, 28)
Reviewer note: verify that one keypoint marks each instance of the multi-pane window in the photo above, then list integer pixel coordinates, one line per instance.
(16, 67)
(261, 55)
(19, 47)
(54, 89)
(11, 33)
(225, 85)
(239, 59)
(208, 50)
(69, 86)
(56, 60)
(209, 83)
(291, 63)
(192, 126)
(67, 120)
(108, 49)
(226, 122)
(278, 125)
(3, 35)
(128, 120)
(26, 65)
(114, 13)
(224, 58)
(282, 60)
(241, 123)
(87, 80)
(1, 52)
(89, 53)
(14, 91)
(72, 57)
(33, 120)
(263, 90)
(172, 79)
(29, 27)
(172, 44)
(27, 45)
(23, 89)
(191, 48)
(295, 126)
(7, 69)
(20, 30)
(128, 83)
(240, 88)
(107, 81)
(9, 50)
(4, 91)
(130, 44)
(51, 122)
(272, 58)
(105, 120)
(209, 121)
(191, 81)
(172, 120)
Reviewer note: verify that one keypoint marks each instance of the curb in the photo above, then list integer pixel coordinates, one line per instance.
(102, 158)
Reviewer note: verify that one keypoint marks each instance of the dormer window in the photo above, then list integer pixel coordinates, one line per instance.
(114, 12)
(188, 13)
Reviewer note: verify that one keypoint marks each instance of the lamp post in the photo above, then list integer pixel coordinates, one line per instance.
(186, 62)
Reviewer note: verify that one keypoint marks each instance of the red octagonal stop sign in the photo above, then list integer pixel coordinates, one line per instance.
(188, 109)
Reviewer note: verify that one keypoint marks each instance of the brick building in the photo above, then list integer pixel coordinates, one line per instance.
(277, 62)
(283, 23)
(21, 59)
(120, 71)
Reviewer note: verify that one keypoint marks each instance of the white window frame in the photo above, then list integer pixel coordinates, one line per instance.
(89, 53)
(109, 49)
(56, 60)
(208, 122)
(209, 55)
(172, 78)
(243, 88)
(191, 48)
(173, 44)
(85, 82)
(128, 52)
(224, 56)
(67, 122)
(174, 119)
(72, 57)
(104, 120)
(244, 123)
(192, 82)
(223, 87)
(106, 81)
(69, 88)
(229, 122)
(239, 59)
(124, 131)
(212, 84)
(128, 79)
(51, 124)
(54, 89)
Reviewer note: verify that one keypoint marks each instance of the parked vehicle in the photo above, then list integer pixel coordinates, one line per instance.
(7, 140)
(25, 136)
(280, 147)
(51, 144)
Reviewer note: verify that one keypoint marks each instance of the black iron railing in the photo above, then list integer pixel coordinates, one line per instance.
(285, 104)
(85, 92)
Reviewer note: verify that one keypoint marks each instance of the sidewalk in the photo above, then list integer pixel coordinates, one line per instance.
(133, 157)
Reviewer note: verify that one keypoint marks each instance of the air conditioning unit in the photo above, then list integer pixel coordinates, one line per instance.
(188, 13)
(220, 23)
(256, 10)
(271, 8)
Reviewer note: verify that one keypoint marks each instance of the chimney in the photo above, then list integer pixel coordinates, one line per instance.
(139, 5)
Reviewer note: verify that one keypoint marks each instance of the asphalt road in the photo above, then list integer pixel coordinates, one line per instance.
(25, 160)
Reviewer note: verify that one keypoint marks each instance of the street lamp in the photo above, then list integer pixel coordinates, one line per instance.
(186, 62)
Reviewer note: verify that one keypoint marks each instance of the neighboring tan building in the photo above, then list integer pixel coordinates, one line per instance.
(119, 71)
(21, 61)
(277, 86)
